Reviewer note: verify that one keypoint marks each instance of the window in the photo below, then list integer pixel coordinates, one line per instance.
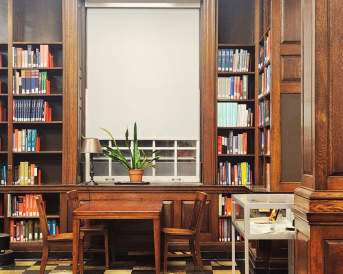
(143, 66)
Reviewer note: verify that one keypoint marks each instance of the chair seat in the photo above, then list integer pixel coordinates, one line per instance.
(179, 232)
(93, 228)
(63, 237)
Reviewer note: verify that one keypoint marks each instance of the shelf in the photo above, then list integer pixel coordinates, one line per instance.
(33, 217)
(39, 68)
(236, 45)
(236, 128)
(37, 43)
(37, 152)
(37, 94)
(42, 122)
(236, 155)
(236, 73)
(232, 100)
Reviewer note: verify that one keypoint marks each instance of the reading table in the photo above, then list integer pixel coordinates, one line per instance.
(136, 209)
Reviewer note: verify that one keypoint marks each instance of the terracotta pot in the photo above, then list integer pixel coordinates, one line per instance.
(136, 175)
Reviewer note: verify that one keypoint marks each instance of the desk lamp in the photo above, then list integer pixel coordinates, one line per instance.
(91, 145)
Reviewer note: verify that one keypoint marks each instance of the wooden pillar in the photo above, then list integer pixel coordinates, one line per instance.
(319, 201)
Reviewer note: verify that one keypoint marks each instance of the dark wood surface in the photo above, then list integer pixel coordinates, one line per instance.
(138, 209)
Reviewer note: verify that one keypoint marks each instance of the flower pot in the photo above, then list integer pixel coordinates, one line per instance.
(136, 175)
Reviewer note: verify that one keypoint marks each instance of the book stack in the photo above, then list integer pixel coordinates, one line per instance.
(233, 144)
(32, 58)
(235, 60)
(235, 88)
(27, 174)
(30, 82)
(35, 110)
(234, 115)
(22, 205)
(25, 230)
(26, 140)
(263, 113)
(234, 174)
(264, 82)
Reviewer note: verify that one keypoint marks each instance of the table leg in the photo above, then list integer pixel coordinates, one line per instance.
(233, 253)
(76, 237)
(246, 255)
(291, 256)
(157, 245)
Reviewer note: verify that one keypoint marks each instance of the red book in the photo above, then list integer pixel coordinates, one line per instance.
(41, 49)
(220, 145)
(245, 143)
(16, 139)
(24, 205)
(34, 206)
(12, 230)
(47, 86)
(228, 206)
(57, 229)
(0, 61)
(46, 56)
(37, 144)
(39, 177)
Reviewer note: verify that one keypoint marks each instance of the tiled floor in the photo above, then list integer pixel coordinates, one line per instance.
(128, 265)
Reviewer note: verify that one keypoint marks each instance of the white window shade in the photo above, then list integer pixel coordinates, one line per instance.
(143, 66)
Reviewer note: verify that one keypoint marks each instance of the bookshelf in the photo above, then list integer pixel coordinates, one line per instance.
(37, 88)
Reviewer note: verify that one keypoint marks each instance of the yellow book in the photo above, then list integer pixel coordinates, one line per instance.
(26, 173)
(244, 173)
(21, 173)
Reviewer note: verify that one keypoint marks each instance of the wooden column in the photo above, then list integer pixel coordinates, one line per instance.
(319, 201)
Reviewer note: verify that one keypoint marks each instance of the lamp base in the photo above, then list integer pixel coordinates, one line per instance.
(91, 183)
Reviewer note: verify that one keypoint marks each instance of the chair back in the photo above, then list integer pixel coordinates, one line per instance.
(73, 198)
(198, 209)
(42, 217)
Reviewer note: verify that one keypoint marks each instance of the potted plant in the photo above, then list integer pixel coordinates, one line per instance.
(138, 159)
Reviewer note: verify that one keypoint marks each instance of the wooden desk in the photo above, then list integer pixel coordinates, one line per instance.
(119, 210)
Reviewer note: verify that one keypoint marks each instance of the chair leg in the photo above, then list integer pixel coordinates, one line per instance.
(165, 254)
(198, 252)
(44, 258)
(192, 248)
(107, 259)
(81, 262)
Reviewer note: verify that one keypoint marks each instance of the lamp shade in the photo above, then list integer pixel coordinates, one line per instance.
(91, 145)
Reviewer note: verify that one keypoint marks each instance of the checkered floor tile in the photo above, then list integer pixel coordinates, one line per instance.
(127, 266)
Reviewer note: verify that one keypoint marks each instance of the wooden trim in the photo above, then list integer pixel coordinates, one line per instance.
(208, 94)
(70, 91)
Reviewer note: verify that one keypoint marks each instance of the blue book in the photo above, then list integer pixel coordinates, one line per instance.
(219, 60)
(28, 139)
(33, 139)
(5, 178)
(262, 143)
(239, 171)
(49, 227)
(223, 59)
(232, 89)
(53, 223)
(248, 173)
(227, 59)
(231, 60)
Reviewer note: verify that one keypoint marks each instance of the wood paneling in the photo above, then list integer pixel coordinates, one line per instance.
(168, 214)
(307, 88)
(301, 253)
(333, 253)
(186, 213)
(290, 21)
(335, 11)
(291, 69)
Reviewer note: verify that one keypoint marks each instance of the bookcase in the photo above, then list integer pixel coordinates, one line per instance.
(37, 98)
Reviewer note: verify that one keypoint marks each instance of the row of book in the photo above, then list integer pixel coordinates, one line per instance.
(235, 88)
(25, 230)
(232, 114)
(264, 82)
(234, 174)
(225, 231)
(235, 60)
(22, 205)
(27, 174)
(233, 144)
(3, 175)
(26, 140)
(3, 111)
(263, 113)
(26, 110)
(30, 82)
(32, 58)
(264, 51)
(265, 143)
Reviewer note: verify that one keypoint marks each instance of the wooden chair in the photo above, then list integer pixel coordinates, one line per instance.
(91, 230)
(54, 240)
(192, 234)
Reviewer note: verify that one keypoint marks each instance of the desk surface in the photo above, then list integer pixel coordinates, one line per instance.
(135, 209)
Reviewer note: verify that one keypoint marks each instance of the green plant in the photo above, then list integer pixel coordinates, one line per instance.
(137, 161)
